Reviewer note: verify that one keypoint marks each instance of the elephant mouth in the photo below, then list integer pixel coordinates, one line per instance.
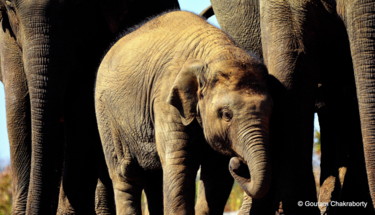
(239, 169)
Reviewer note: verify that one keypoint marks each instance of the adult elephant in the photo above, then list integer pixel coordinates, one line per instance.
(240, 19)
(319, 52)
(50, 51)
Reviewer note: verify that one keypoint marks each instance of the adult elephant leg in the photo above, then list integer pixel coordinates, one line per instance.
(18, 118)
(104, 196)
(338, 95)
(83, 146)
(288, 50)
(343, 151)
(19, 133)
(84, 161)
(215, 182)
(359, 16)
(240, 19)
(45, 64)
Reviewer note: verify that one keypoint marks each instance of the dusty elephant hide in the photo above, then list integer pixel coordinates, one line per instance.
(165, 90)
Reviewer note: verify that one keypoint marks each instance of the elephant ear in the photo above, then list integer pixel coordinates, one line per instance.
(184, 92)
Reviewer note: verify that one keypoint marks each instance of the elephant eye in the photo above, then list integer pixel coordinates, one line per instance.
(226, 114)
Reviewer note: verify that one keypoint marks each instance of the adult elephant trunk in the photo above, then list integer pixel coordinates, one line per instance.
(255, 178)
(359, 17)
(45, 70)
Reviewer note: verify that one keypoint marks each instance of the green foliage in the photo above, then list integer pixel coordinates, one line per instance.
(5, 192)
(317, 141)
(233, 204)
(317, 155)
(235, 199)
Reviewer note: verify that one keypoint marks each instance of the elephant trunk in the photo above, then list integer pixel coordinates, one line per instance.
(255, 178)
(44, 67)
(361, 31)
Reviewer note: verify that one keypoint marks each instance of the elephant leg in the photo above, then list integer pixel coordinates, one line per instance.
(178, 185)
(290, 55)
(215, 183)
(338, 115)
(82, 159)
(84, 163)
(125, 173)
(19, 133)
(128, 191)
(340, 151)
(19, 130)
(293, 166)
(177, 149)
(358, 17)
(18, 111)
(128, 183)
(266, 205)
(343, 151)
(154, 192)
(104, 196)
(335, 99)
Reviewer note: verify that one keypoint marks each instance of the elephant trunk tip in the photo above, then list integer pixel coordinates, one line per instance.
(254, 186)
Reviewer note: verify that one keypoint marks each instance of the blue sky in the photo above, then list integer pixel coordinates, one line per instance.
(195, 6)
(4, 146)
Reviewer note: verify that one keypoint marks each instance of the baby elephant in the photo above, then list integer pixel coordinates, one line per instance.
(162, 93)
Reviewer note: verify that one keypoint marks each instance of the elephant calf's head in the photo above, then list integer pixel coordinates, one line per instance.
(229, 98)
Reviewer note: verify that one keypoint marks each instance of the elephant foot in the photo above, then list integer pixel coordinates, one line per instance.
(330, 189)
(342, 173)
(325, 193)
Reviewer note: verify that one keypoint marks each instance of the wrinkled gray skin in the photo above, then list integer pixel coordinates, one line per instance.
(49, 54)
(184, 84)
(321, 54)
(241, 20)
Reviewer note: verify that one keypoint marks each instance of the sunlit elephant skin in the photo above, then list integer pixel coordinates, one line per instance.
(321, 55)
(241, 20)
(50, 52)
(185, 84)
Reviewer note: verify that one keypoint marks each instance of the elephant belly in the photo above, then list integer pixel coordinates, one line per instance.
(142, 147)
(146, 155)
